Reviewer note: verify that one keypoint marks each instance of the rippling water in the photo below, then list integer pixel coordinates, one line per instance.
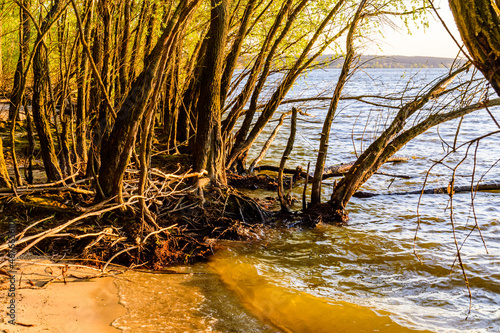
(377, 274)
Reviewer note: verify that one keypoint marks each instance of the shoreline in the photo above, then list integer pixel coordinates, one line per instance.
(79, 305)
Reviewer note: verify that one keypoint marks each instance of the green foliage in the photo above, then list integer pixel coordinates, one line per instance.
(263, 17)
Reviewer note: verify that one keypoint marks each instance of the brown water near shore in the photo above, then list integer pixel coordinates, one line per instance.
(193, 300)
(294, 310)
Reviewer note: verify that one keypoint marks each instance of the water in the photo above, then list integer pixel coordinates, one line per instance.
(378, 274)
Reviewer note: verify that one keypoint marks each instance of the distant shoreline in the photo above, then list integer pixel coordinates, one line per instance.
(394, 61)
(372, 61)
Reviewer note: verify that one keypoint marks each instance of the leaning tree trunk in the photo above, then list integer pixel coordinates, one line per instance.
(232, 57)
(134, 54)
(266, 49)
(209, 151)
(479, 24)
(96, 127)
(242, 133)
(394, 137)
(285, 203)
(302, 62)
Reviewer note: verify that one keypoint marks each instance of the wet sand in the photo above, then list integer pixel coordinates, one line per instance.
(75, 306)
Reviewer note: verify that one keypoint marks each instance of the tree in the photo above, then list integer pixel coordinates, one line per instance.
(24, 37)
(479, 24)
(116, 150)
(423, 112)
(83, 90)
(41, 86)
(209, 152)
(327, 125)
(245, 141)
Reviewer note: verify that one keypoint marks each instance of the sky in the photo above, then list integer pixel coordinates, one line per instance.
(433, 42)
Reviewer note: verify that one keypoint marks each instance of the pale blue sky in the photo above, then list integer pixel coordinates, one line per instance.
(434, 41)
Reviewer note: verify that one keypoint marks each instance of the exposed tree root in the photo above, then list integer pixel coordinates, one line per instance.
(251, 182)
(185, 227)
(324, 213)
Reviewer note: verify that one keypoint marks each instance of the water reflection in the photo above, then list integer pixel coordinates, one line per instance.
(377, 273)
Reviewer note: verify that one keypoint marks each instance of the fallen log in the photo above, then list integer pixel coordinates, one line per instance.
(336, 170)
(494, 186)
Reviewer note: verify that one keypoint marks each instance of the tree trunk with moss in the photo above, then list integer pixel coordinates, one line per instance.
(479, 24)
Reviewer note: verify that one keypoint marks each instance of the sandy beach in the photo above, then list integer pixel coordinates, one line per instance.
(79, 305)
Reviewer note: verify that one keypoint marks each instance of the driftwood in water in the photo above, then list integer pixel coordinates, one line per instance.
(494, 186)
(332, 171)
(341, 169)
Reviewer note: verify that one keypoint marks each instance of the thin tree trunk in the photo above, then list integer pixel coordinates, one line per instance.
(12, 138)
(83, 88)
(232, 57)
(285, 203)
(186, 125)
(170, 109)
(123, 59)
(31, 144)
(105, 114)
(24, 36)
(242, 99)
(249, 115)
(96, 128)
(269, 141)
(134, 56)
(150, 31)
(327, 125)
(299, 66)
